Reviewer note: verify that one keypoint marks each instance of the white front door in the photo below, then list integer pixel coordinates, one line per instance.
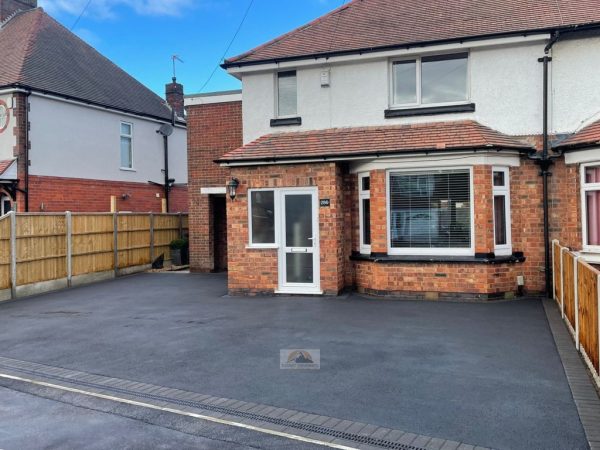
(299, 253)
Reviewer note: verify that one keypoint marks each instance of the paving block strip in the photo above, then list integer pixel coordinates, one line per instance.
(325, 430)
(585, 396)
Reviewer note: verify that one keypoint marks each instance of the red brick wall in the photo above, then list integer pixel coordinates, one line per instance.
(254, 271)
(213, 129)
(55, 194)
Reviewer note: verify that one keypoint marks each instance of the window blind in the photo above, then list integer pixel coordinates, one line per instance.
(287, 97)
(430, 209)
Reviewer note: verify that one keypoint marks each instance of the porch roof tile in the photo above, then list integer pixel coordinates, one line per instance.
(349, 142)
(587, 137)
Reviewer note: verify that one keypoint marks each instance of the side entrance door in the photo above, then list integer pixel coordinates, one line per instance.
(299, 253)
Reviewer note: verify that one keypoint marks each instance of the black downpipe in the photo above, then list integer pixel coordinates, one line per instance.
(167, 188)
(26, 113)
(545, 162)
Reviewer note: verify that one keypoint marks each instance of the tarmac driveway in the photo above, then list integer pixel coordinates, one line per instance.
(488, 374)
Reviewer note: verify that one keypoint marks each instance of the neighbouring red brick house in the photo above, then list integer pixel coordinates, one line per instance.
(405, 160)
(76, 132)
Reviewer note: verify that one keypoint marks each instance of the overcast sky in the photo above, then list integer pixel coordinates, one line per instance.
(141, 35)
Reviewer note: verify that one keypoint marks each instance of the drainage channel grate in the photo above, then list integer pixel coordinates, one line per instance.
(233, 412)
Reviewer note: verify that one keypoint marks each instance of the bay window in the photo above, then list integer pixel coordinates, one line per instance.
(430, 212)
(430, 80)
(501, 194)
(590, 186)
(364, 212)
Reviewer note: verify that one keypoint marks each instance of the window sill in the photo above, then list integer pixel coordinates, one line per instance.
(127, 169)
(286, 121)
(262, 247)
(477, 259)
(429, 110)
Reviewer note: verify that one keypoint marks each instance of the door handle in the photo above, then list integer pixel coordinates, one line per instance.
(311, 239)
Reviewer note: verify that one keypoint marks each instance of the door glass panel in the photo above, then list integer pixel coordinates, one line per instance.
(299, 267)
(298, 221)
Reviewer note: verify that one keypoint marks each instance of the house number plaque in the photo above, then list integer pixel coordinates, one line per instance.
(325, 203)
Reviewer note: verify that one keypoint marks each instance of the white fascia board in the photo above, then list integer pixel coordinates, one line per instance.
(218, 97)
(400, 52)
(583, 156)
(365, 163)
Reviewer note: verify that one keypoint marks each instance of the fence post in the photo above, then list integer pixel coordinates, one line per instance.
(554, 242)
(562, 285)
(116, 242)
(180, 226)
(576, 277)
(68, 219)
(151, 238)
(598, 315)
(13, 254)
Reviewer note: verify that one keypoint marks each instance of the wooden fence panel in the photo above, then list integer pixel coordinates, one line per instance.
(93, 243)
(41, 248)
(569, 286)
(587, 287)
(133, 240)
(5, 252)
(556, 274)
(166, 228)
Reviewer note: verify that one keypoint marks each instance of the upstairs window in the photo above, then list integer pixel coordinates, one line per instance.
(430, 80)
(126, 145)
(430, 213)
(287, 96)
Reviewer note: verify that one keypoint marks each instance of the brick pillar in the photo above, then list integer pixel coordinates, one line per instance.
(484, 209)
(378, 212)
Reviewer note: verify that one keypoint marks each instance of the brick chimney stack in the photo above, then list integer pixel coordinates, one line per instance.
(174, 93)
(9, 7)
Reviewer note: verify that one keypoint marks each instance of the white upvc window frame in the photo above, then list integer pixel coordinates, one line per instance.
(4, 198)
(130, 137)
(502, 249)
(363, 195)
(587, 187)
(419, 103)
(431, 251)
(276, 209)
(276, 82)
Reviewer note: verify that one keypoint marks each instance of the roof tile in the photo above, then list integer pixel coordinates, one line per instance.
(367, 24)
(342, 142)
(39, 53)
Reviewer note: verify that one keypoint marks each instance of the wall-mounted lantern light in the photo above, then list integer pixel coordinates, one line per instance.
(232, 187)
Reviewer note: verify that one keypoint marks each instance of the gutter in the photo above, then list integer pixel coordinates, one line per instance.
(18, 87)
(267, 160)
(360, 51)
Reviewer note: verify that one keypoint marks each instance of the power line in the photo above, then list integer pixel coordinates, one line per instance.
(337, 23)
(229, 45)
(81, 14)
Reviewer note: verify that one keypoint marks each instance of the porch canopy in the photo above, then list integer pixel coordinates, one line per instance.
(355, 143)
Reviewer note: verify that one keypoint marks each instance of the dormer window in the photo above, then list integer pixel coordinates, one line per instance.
(430, 80)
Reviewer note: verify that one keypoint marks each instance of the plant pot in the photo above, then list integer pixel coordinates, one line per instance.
(176, 257)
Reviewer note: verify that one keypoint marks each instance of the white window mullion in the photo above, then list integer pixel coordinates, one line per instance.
(364, 202)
